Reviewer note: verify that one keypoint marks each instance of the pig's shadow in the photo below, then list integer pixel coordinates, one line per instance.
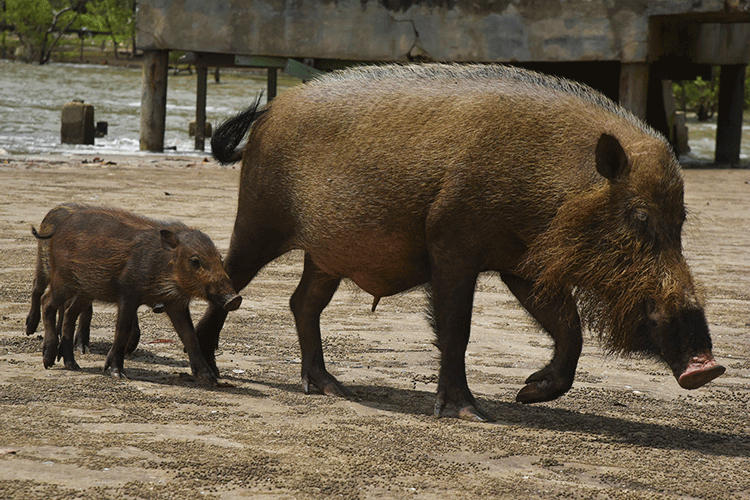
(611, 429)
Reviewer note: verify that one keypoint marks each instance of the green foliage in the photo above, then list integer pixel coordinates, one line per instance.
(699, 96)
(39, 24)
(31, 18)
(111, 16)
(702, 96)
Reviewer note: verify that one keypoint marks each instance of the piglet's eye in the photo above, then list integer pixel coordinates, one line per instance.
(195, 263)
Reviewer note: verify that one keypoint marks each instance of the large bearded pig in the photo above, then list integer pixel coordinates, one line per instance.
(398, 176)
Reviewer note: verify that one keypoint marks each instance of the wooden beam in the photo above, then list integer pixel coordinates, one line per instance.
(154, 100)
(200, 108)
(729, 123)
(271, 83)
(634, 88)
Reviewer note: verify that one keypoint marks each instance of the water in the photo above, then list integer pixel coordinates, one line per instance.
(32, 96)
(702, 140)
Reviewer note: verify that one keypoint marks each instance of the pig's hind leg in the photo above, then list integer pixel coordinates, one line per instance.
(561, 321)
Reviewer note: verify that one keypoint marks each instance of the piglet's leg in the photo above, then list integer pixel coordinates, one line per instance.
(72, 310)
(135, 337)
(126, 313)
(51, 342)
(180, 317)
(83, 334)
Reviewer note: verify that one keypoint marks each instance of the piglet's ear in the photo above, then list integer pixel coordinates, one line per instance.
(611, 160)
(168, 240)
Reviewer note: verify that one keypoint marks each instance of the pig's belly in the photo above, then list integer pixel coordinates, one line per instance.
(380, 266)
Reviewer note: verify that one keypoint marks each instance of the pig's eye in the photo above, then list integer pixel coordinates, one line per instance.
(640, 215)
(195, 263)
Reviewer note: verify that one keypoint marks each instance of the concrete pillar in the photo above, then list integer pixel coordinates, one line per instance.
(729, 124)
(77, 123)
(154, 100)
(634, 88)
(200, 108)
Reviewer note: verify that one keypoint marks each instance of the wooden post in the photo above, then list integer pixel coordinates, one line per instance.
(154, 100)
(729, 123)
(634, 88)
(271, 83)
(200, 108)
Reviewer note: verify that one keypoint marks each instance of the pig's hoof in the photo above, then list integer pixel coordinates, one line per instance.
(327, 385)
(72, 365)
(469, 412)
(540, 391)
(211, 362)
(466, 409)
(82, 348)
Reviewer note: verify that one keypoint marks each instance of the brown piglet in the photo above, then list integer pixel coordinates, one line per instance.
(115, 256)
(41, 281)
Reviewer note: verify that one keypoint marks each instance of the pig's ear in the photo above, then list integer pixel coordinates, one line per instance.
(611, 160)
(168, 240)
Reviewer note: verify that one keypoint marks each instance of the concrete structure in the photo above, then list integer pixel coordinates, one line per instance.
(77, 123)
(623, 48)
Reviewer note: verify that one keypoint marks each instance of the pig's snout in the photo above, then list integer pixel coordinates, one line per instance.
(700, 370)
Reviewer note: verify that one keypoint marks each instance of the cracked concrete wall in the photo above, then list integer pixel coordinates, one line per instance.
(400, 30)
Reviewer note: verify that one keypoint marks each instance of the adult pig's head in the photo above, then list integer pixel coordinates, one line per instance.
(198, 269)
(616, 247)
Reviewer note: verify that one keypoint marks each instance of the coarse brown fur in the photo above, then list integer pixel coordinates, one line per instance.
(116, 256)
(614, 270)
(41, 281)
(395, 176)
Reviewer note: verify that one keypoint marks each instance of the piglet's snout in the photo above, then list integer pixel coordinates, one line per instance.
(231, 302)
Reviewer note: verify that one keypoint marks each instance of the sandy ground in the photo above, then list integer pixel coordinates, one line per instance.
(625, 430)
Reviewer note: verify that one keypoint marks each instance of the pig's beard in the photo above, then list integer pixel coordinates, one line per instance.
(620, 285)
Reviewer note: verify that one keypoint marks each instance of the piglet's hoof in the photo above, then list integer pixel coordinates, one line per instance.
(114, 370)
(115, 373)
(72, 365)
(49, 353)
(158, 308)
(206, 376)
